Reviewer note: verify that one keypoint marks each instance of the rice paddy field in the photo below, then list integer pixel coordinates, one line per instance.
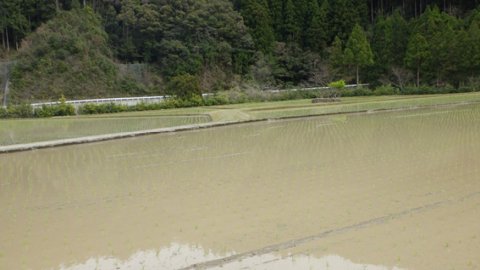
(386, 190)
(37, 130)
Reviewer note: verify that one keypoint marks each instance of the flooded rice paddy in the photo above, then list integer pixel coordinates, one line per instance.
(397, 190)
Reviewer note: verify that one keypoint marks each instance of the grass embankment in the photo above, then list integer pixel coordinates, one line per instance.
(34, 130)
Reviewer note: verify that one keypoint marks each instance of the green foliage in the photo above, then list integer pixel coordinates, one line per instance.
(290, 24)
(68, 55)
(184, 36)
(336, 55)
(385, 90)
(184, 87)
(20, 111)
(390, 38)
(429, 90)
(292, 64)
(257, 18)
(345, 14)
(317, 33)
(337, 84)
(276, 43)
(64, 109)
(417, 54)
(92, 108)
(227, 97)
(356, 92)
(3, 113)
(170, 103)
(61, 109)
(130, 87)
(357, 51)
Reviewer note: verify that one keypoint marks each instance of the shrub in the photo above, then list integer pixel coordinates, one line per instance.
(337, 84)
(20, 111)
(428, 90)
(216, 99)
(92, 108)
(184, 87)
(356, 92)
(193, 101)
(385, 90)
(131, 87)
(45, 111)
(3, 113)
(63, 109)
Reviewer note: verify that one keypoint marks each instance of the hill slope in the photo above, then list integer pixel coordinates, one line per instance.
(68, 55)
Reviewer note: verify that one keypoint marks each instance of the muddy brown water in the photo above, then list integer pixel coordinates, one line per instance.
(377, 191)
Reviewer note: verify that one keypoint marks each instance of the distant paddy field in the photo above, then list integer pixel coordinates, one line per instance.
(21, 131)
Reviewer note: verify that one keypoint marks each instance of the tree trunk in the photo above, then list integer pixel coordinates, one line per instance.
(57, 6)
(418, 76)
(371, 10)
(415, 8)
(3, 39)
(8, 42)
(358, 77)
(84, 3)
(5, 92)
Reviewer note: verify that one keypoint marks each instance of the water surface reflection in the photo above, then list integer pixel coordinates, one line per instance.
(179, 256)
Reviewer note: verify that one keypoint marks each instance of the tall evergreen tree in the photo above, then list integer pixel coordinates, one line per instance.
(257, 18)
(303, 18)
(357, 51)
(343, 17)
(474, 42)
(276, 13)
(417, 54)
(13, 22)
(336, 59)
(400, 35)
(317, 36)
(290, 24)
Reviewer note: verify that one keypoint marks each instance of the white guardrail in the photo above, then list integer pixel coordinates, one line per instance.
(131, 101)
(316, 88)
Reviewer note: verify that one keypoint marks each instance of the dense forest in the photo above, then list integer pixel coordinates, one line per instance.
(128, 47)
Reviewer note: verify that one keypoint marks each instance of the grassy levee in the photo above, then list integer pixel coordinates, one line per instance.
(19, 131)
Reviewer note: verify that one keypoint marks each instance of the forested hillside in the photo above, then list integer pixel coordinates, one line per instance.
(224, 44)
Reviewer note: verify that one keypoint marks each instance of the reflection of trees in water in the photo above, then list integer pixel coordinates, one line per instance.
(178, 256)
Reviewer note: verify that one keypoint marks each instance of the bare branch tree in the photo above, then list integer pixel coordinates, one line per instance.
(402, 76)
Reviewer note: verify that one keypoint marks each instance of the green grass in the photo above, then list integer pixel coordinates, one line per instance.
(33, 130)
(361, 104)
